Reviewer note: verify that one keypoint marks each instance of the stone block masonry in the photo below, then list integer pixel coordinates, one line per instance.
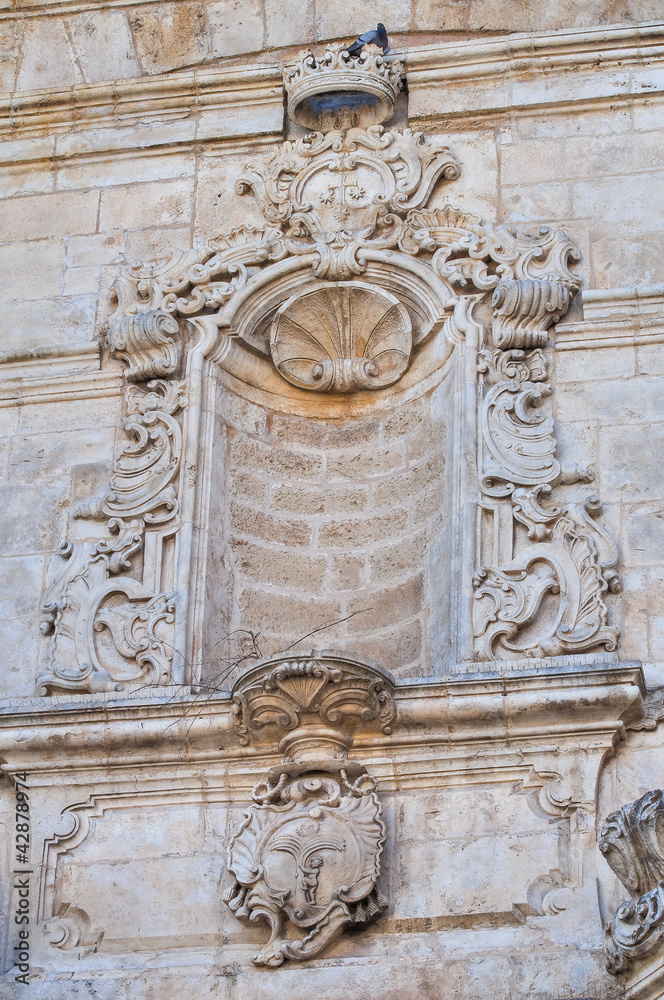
(331, 521)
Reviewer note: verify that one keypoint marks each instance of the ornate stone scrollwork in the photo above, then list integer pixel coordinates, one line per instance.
(632, 841)
(546, 598)
(145, 342)
(352, 276)
(106, 629)
(333, 201)
(308, 850)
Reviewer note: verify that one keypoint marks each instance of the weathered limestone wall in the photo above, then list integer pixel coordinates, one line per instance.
(610, 411)
(494, 789)
(82, 44)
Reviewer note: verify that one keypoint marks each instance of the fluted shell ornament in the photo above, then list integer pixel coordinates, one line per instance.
(344, 337)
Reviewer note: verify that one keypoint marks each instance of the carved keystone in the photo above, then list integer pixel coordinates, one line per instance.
(308, 851)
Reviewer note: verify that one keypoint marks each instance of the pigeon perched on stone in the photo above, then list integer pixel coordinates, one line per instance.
(377, 37)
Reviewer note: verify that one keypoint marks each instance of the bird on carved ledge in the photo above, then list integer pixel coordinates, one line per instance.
(377, 37)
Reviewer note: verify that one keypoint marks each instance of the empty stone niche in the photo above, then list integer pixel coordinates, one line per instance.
(340, 525)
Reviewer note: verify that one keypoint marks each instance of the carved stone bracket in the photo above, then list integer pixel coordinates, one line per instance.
(632, 841)
(308, 851)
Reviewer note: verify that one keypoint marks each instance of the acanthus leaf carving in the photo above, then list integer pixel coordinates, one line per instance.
(308, 850)
(508, 601)
(491, 255)
(518, 436)
(185, 284)
(144, 471)
(632, 842)
(546, 599)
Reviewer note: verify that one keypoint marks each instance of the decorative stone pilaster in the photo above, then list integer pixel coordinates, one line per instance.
(308, 851)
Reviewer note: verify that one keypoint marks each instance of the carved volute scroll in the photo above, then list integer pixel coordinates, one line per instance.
(308, 850)
(632, 841)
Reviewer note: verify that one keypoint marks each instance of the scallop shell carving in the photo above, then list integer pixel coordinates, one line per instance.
(345, 337)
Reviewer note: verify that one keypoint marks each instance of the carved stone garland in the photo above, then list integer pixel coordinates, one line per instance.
(308, 850)
(632, 841)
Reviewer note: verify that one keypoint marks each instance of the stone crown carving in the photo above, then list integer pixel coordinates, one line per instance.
(340, 89)
(632, 841)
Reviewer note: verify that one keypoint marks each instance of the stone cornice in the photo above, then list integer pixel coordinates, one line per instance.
(527, 50)
(463, 82)
(215, 103)
(592, 704)
(453, 85)
(56, 372)
(615, 317)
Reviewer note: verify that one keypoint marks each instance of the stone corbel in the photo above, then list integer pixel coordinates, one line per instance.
(308, 851)
(145, 341)
(632, 842)
(524, 310)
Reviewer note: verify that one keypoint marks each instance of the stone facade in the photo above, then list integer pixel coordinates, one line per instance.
(332, 553)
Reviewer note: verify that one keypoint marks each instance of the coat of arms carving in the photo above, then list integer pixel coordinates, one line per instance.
(308, 850)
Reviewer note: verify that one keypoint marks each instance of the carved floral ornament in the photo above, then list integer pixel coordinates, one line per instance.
(308, 851)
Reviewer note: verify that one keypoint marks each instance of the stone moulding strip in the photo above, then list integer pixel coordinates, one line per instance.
(616, 317)
(529, 72)
(469, 79)
(54, 373)
(237, 90)
(23, 360)
(599, 701)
